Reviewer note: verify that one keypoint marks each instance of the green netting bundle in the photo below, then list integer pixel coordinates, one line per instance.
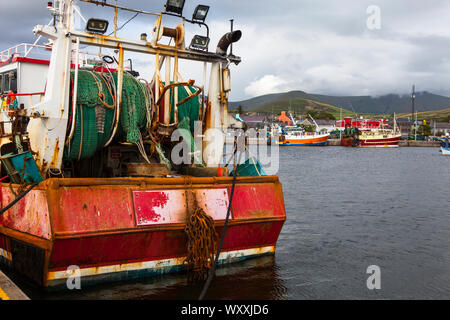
(95, 112)
(188, 110)
(94, 120)
(133, 115)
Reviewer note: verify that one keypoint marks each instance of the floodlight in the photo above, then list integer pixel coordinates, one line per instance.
(97, 25)
(199, 43)
(175, 6)
(200, 13)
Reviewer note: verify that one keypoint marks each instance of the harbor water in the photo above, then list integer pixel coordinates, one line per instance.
(347, 209)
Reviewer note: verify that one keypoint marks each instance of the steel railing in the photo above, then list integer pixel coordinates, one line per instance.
(24, 50)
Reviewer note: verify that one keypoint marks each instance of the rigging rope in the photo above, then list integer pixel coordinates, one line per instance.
(222, 238)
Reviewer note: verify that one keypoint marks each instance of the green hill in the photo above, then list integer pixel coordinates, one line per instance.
(386, 104)
(301, 106)
(438, 115)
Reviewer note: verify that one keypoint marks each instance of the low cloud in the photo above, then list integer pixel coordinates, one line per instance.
(267, 84)
(314, 46)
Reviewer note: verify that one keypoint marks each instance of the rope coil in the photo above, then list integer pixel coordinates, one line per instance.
(201, 244)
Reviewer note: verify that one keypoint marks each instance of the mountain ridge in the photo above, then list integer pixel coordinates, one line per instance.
(389, 103)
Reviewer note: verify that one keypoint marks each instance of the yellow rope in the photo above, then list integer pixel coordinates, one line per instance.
(101, 95)
(3, 295)
(253, 160)
(202, 243)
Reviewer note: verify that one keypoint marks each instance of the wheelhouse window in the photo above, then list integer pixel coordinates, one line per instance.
(8, 81)
(13, 81)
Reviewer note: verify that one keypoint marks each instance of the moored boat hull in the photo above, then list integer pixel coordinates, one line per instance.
(380, 143)
(391, 142)
(320, 140)
(73, 223)
(348, 142)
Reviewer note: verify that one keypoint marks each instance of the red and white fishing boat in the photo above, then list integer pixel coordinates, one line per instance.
(107, 201)
(368, 133)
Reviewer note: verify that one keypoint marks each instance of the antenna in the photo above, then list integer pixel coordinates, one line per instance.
(413, 98)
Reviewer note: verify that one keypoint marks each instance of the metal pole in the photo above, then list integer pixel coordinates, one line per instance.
(75, 91)
(415, 128)
(231, 45)
(413, 97)
(115, 20)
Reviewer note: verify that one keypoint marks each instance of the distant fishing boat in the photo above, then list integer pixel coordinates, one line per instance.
(369, 133)
(297, 136)
(445, 146)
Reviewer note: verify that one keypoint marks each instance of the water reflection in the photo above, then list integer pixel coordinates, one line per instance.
(257, 278)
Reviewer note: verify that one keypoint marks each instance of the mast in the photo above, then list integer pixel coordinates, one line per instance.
(413, 98)
(48, 124)
(415, 128)
(395, 124)
(317, 127)
(292, 118)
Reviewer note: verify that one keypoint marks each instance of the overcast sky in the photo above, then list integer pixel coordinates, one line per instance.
(318, 46)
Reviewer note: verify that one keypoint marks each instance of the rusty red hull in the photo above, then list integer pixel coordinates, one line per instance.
(114, 229)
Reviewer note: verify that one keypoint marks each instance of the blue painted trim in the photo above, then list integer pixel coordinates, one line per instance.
(60, 284)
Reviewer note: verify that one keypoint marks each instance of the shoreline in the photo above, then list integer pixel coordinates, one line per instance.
(402, 143)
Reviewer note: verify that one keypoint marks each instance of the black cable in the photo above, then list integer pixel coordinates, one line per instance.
(216, 260)
(125, 23)
(228, 162)
(18, 198)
